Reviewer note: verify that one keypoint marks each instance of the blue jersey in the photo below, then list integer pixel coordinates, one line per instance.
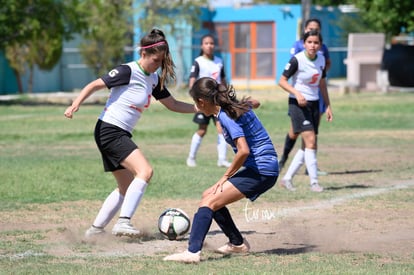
(263, 156)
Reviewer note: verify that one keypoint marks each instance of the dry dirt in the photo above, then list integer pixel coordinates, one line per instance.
(332, 226)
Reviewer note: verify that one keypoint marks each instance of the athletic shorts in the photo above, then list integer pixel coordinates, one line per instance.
(201, 118)
(304, 118)
(252, 184)
(114, 143)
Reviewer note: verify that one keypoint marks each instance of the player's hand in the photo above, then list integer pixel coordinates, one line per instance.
(329, 114)
(70, 110)
(218, 187)
(301, 100)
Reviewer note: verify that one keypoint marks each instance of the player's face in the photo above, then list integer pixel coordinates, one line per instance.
(207, 46)
(312, 45)
(151, 62)
(206, 107)
(312, 26)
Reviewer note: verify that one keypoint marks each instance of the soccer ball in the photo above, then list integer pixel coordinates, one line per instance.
(173, 224)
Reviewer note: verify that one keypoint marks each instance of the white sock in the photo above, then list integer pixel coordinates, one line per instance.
(109, 208)
(133, 196)
(295, 165)
(221, 147)
(195, 144)
(311, 165)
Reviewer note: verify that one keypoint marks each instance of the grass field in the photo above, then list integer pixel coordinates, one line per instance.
(52, 184)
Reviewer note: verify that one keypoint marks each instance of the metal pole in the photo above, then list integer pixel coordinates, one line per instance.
(306, 6)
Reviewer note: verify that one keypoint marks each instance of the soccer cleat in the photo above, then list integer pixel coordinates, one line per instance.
(288, 185)
(230, 248)
(223, 163)
(94, 231)
(315, 187)
(184, 257)
(191, 162)
(124, 228)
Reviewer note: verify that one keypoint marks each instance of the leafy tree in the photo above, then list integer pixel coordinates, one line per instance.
(387, 16)
(32, 33)
(109, 32)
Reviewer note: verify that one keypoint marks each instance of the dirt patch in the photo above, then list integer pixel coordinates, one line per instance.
(331, 226)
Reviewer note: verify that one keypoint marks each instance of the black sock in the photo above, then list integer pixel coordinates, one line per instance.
(289, 144)
(226, 223)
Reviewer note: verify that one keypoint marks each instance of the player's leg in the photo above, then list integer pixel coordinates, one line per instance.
(197, 138)
(221, 147)
(309, 138)
(290, 141)
(214, 197)
(137, 165)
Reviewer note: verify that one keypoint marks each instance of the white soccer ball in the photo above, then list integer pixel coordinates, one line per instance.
(174, 223)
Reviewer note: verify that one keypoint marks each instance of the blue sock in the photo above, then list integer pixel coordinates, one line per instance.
(201, 224)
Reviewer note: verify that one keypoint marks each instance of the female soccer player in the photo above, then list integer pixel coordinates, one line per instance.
(254, 151)
(132, 86)
(290, 140)
(307, 70)
(207, 65)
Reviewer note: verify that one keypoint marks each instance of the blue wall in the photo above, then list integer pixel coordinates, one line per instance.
(70, 74)
(285, 26)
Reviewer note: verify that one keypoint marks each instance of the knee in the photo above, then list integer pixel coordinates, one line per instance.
(145, 174)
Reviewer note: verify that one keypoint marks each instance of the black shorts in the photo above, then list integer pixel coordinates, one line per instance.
(201, 118)
(114, 143)
(252, 184)
(304, 118)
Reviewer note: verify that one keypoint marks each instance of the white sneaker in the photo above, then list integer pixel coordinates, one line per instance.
(315, 187)
(184, 257)
(288, 185)
(229, 248)
(93, 231)
(191, 162)
(124, 228)
(223, 163)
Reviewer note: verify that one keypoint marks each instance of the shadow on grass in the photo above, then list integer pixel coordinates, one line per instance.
(351, 186)
(346, 172)
(291, 251)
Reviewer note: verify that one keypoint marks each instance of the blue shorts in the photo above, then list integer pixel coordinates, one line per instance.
(252, 184)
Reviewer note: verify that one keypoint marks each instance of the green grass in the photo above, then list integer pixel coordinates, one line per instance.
(46, 158)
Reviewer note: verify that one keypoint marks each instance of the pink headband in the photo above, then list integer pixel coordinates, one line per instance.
(154, 45)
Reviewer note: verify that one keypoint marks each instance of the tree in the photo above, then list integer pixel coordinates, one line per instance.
(387, 16)
(33, 33)
(109, 32)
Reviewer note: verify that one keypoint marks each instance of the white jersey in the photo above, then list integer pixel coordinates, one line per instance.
(131, 90)
(205, 67)
(306, 74)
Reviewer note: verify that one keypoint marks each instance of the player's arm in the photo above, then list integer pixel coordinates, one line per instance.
(178, 106)
(290, 69)
(89, 89)
(240, 157)
(166, 99)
